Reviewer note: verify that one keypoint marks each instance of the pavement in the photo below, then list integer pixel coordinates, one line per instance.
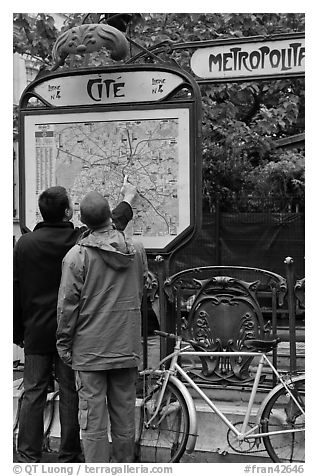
(51, 456)
(196, 457)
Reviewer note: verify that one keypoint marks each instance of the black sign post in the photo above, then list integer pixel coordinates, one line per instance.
(87, 129)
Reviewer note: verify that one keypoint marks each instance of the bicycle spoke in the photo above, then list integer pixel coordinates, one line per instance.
(281, 413)
(165, 439)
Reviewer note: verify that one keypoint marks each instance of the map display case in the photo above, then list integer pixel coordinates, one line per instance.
(86, 130)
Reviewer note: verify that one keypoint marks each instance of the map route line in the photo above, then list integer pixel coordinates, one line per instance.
(151, 134)
(66, 152)
(74, 130)
(152, 140)
(95, 143)
(143, 167)
(158, 213)
(132, 154)
(91, 164)
(161, 194)
(129, 142)
(94, 164)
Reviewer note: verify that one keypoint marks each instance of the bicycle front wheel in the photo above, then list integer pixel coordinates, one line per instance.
(282, 413)
(164, 440)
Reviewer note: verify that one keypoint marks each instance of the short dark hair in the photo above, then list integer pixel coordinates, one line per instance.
(95, 210)
(52, 203)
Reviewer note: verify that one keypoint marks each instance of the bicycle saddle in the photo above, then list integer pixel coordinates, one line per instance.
(262, 345)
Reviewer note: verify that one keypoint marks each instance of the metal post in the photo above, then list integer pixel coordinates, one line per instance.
(274, 327)
(217, 232)
(145, 328)
(290, 278)
(162, 303)
(178, 311)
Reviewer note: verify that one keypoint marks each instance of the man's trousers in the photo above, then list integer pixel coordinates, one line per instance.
(36, 377)
(113, 390)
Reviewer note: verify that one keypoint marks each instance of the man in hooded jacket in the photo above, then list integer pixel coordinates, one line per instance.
(99, 326)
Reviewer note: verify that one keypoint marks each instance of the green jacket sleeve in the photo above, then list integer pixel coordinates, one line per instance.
(68, 301)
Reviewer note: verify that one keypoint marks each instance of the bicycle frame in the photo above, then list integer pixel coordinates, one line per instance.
(245, 433)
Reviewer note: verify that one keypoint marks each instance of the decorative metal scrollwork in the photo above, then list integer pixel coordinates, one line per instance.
(220, 312)
(223, 324)
(300, 291)
(224, 314)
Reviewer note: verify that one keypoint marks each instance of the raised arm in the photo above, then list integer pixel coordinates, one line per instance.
(123, 213)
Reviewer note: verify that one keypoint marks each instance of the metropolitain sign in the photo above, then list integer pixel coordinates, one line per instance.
(250, 59)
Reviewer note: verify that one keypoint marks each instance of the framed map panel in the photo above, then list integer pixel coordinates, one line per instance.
(95, 150)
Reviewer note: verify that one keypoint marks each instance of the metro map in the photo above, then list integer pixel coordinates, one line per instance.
(96, 155)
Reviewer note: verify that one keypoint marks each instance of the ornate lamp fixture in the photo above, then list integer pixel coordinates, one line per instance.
(88, 38)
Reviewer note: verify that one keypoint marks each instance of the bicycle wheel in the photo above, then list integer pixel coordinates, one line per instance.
(282, 413)
(166, 438)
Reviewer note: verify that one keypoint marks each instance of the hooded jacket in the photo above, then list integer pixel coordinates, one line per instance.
(99, 301)
(37, 260)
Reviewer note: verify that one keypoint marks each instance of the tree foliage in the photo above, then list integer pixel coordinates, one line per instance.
(243, 170)
(34, 36)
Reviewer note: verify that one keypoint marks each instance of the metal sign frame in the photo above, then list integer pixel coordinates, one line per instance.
(185, 94)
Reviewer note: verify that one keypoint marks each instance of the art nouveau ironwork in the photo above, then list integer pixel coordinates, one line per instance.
(219, 311)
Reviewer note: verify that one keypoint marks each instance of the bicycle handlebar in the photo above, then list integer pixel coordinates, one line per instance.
(166, 334)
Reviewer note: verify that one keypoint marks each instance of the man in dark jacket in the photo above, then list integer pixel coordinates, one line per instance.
(37, 271)
(99, 330)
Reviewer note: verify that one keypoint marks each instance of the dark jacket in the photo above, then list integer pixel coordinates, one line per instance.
(36, 278)
(99, 318)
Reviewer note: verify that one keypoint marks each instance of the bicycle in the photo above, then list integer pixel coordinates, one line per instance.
(168, 423)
